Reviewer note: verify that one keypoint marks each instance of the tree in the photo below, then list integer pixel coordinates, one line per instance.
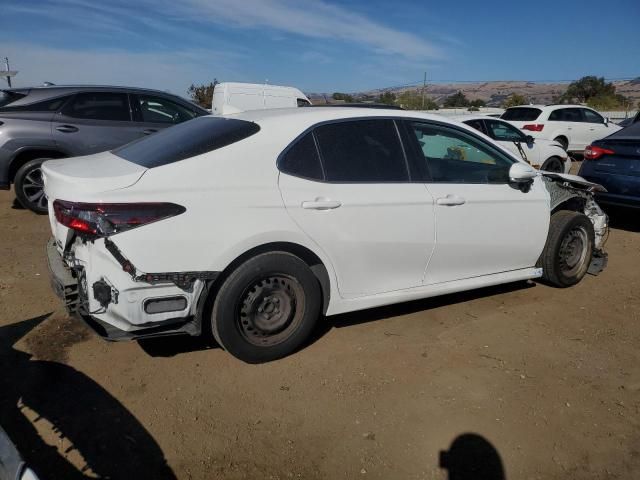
(587, 88)
(412, 100)
(456, 100)
(202, 94)
(388, 98)
(342, 96)
(514, 100)
(478, 103)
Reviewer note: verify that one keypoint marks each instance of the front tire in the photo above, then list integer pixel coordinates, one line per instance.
(553, 164)
(564, 143)
(29, 186)
(567, 254)
(267, 308)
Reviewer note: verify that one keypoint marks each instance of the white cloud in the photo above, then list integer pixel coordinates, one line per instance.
(174, 71)
(311, 19)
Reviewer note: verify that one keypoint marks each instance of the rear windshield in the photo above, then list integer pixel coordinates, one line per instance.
(8, 97)
(188, 139)
(521, 114)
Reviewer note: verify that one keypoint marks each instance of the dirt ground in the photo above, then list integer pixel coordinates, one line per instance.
(521, 381)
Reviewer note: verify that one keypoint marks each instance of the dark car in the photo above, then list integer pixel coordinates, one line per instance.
(68, 121)
(614, 162)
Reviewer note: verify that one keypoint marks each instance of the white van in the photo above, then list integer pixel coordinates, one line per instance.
(231, 97)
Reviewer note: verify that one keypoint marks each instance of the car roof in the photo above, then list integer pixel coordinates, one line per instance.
(551, 106)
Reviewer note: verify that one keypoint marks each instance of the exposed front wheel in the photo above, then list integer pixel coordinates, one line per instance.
(266, 308)
(29, 186)
(567, 253)
(554, 165)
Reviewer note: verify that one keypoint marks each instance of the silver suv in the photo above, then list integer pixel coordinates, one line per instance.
(41, 123)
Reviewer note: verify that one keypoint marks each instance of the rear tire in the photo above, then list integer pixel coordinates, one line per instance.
(553, 164)
(266, 308)
(567, 254)
(563, 142)
(29, 186)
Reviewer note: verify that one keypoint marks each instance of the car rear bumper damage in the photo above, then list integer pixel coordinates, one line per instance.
(120, 303)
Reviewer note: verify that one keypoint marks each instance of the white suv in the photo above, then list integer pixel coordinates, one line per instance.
(251, 227)
(572, 126)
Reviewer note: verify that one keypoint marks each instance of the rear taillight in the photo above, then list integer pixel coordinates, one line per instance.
(593, 152)
(533, 127)
(105, 219)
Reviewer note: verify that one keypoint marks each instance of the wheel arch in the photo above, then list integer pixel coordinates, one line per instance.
(26, 154)
(316, 265)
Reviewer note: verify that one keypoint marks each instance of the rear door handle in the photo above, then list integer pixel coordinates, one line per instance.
(451, 200)
(321, 204)
(67, 128)
(149, 131)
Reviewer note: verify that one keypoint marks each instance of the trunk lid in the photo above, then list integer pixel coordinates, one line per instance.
(625, 160)
(80, 179)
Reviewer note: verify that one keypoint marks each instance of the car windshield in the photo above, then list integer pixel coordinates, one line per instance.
(188, 139)
(521, 114)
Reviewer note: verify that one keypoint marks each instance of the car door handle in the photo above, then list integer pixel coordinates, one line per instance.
(321, 204)
(67, 128)
(149, 131)
(451, 200)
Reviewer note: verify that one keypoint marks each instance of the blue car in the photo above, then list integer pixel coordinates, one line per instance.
(614, 163)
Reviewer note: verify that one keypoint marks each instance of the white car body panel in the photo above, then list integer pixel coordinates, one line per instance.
(386, 243)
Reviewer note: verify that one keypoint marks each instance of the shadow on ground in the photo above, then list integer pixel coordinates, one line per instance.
(175, 345)
(90, 424)
(472, 457)
(623, 218)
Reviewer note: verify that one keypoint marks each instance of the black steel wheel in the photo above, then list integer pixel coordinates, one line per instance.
(29, 186)
(266, 308)
(567, 254)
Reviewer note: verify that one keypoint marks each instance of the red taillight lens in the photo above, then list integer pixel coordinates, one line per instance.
(593, 152)
(104, 219)
(533, 127)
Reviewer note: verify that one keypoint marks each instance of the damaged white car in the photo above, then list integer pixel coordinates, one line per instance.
(252, 227)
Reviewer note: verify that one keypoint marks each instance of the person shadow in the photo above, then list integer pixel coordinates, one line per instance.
(472, 457)
(91, 426)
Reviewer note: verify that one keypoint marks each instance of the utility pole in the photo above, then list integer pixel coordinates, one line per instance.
(8, 73)
(424, 85)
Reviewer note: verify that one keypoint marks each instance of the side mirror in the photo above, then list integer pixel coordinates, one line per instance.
(530, 140)
(606, 121)
(522, 173)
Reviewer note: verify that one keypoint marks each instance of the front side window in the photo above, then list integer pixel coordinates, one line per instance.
(592, 117)
(161, 110)
(302, 160)
(362, 151)
(452, 156)
(504, 132)
(99, 106)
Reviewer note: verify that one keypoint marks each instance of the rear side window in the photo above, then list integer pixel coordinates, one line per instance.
(8, 97)
(521, 114)
(362, 151)
(188, 139)
(52, 105)
(566, 115)
(99, 106)
(302, 160)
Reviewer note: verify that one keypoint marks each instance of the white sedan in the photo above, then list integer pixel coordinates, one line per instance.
(254, 226)
(544, 154)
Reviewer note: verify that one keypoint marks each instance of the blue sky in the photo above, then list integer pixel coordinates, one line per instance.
(318, 46)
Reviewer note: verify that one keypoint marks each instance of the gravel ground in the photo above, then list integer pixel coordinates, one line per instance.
(525, 380)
